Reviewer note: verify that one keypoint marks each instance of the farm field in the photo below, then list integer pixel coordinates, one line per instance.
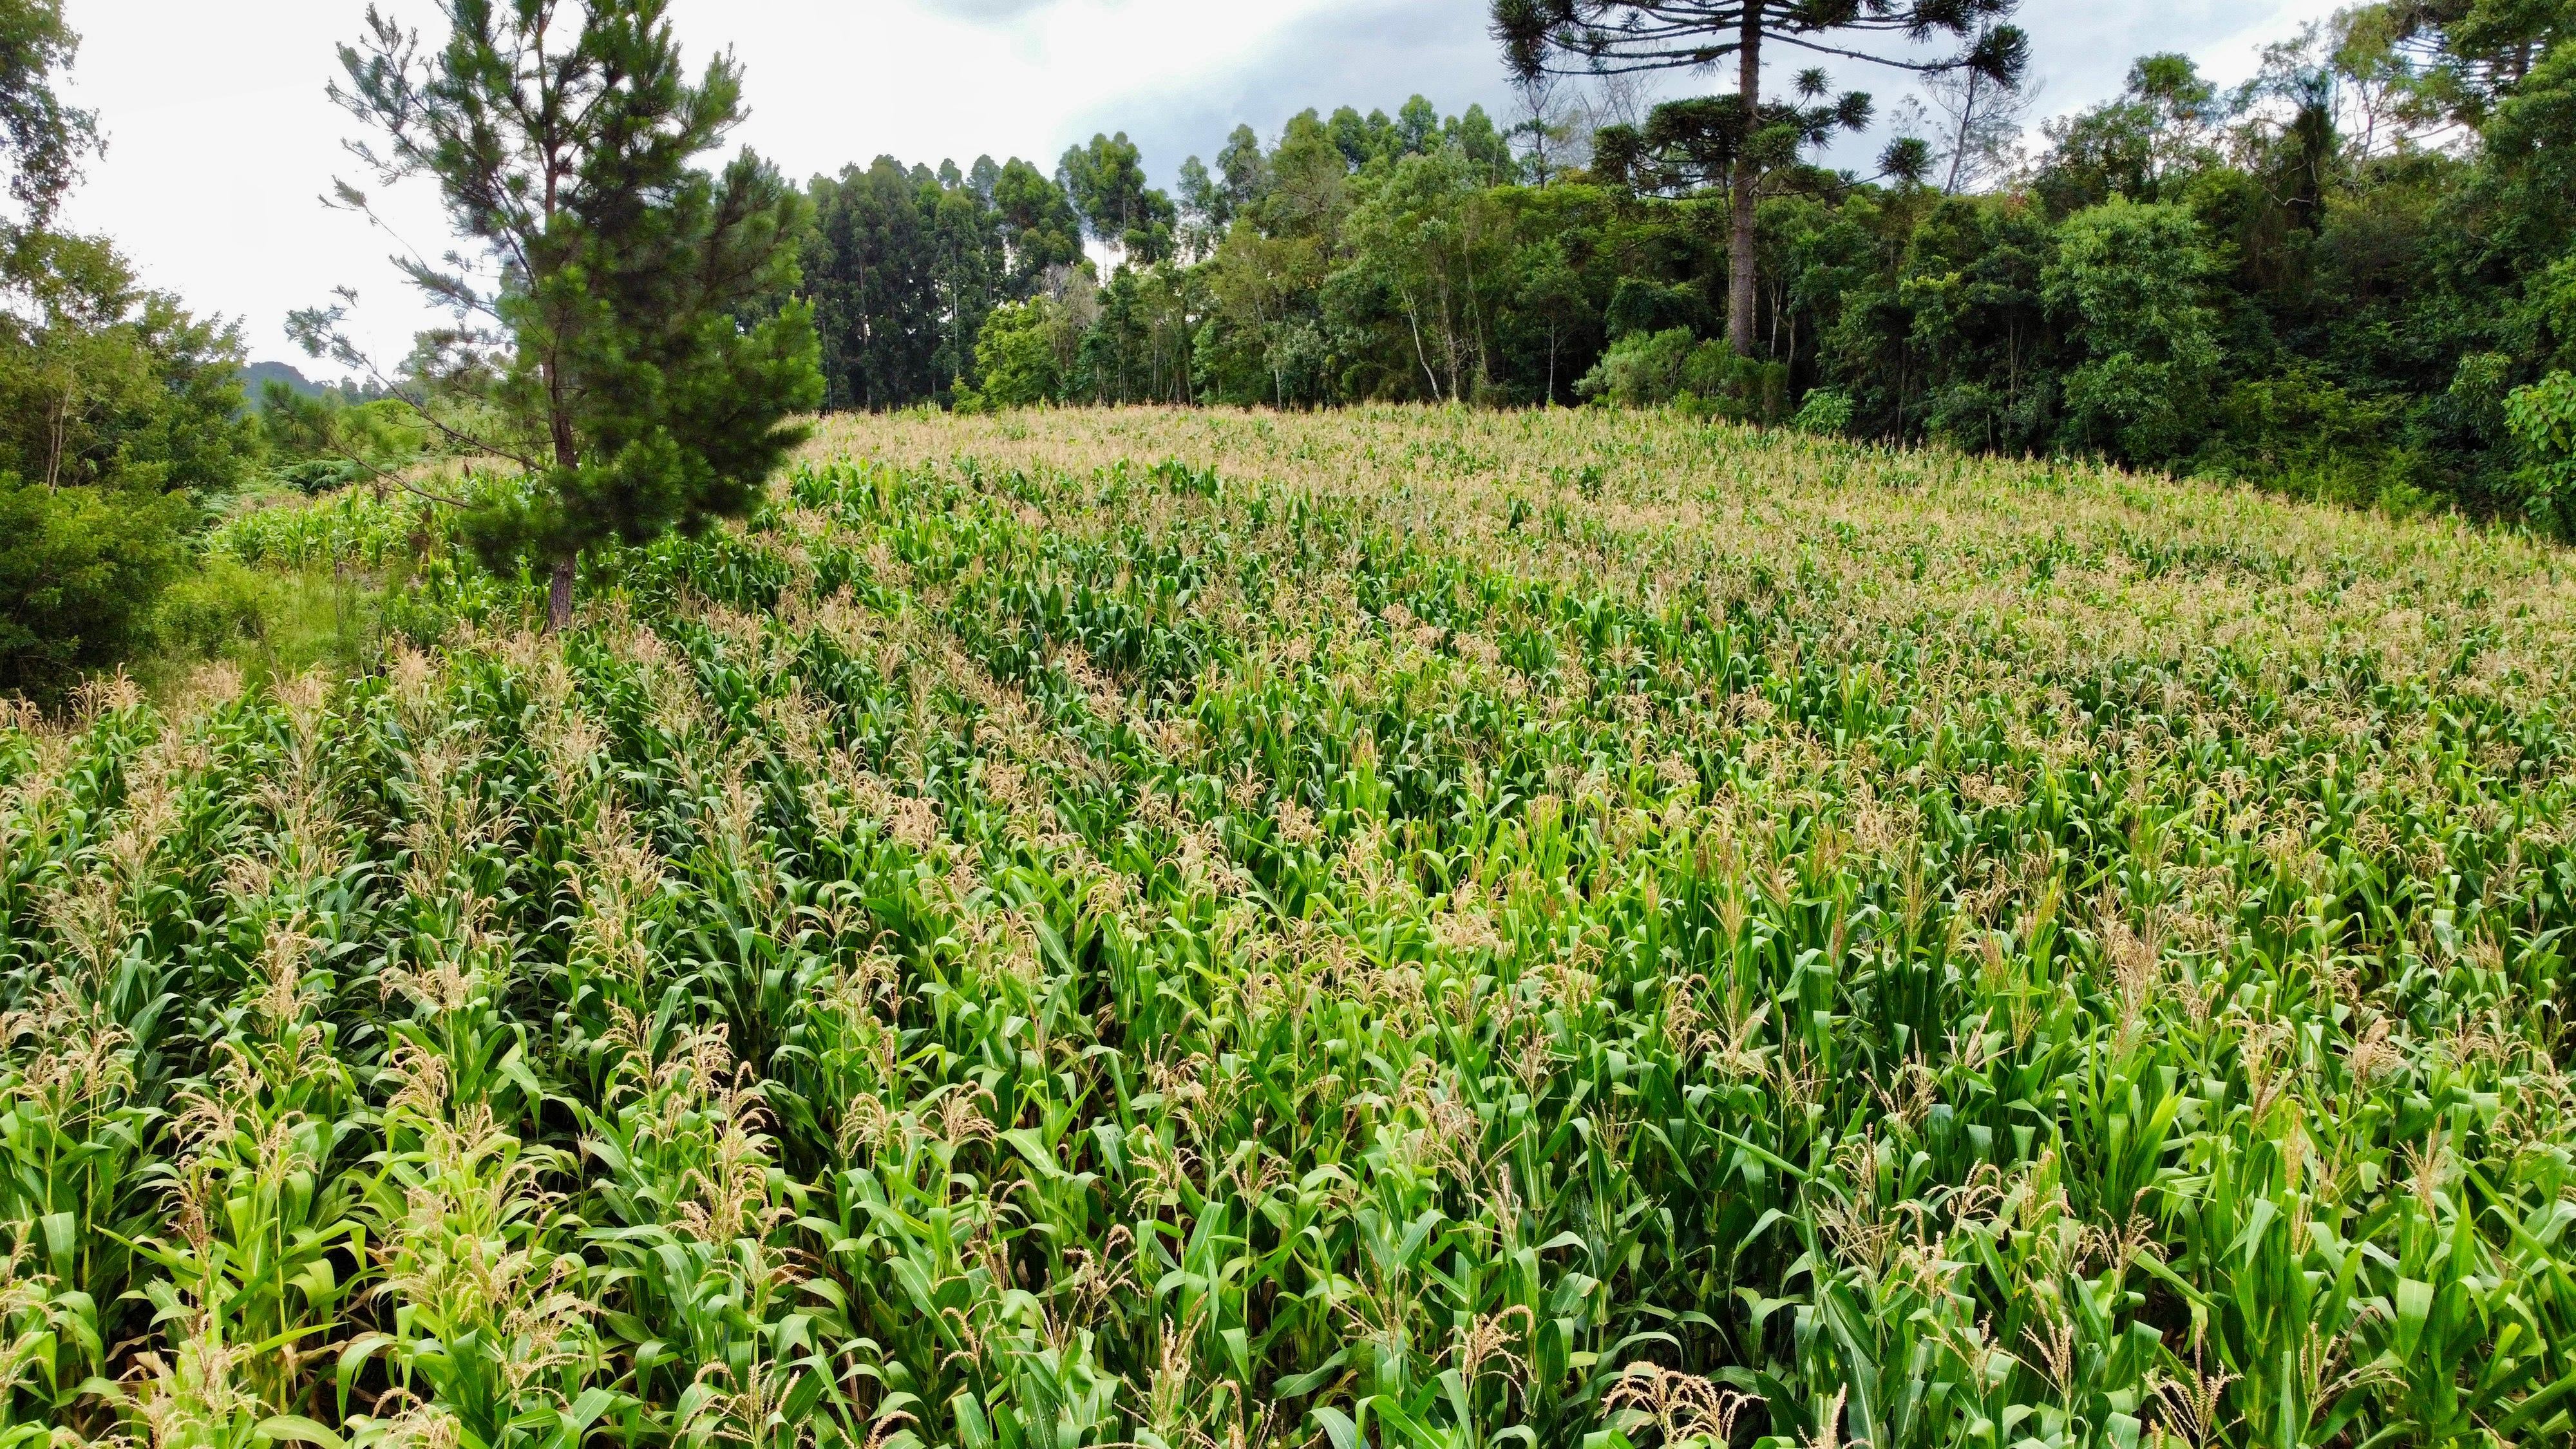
(1420, 929)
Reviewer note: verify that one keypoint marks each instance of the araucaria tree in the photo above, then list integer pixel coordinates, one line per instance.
(630, 305)
(1627, 37)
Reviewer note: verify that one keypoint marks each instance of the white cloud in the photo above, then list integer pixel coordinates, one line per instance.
(222, 139)
(831, 85)
(2083, 48)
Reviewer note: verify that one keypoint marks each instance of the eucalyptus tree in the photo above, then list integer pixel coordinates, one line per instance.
(1106, 182)
(1040, 230)
(1632, 37)
(873, 273)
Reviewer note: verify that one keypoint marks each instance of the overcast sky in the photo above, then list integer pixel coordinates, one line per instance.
(221, 140)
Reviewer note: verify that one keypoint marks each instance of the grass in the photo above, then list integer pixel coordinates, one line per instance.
(1415, 929)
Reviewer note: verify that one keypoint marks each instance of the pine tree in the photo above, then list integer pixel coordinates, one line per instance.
(1628, 37)
(633, 308)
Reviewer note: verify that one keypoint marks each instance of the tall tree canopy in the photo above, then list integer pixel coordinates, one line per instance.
(43, 138)
(1106, 181)
(1598, 37)
(633, 303)
(1039, 229)
(872, 271)
(903, 265)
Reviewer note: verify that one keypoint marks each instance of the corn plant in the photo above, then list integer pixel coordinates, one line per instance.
(1415, 930)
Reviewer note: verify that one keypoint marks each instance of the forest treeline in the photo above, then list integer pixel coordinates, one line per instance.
(2353, 276)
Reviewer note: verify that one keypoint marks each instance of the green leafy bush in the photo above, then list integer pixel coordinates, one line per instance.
(2473, 405)
(1017, 357)
(1706, 379)
(80, 572)
(2132, 283)
(1826, 412)
(1642, 369)
(316, 476)
(2542, 418)
(2305, 434)
(1716, 382)
(119, 412)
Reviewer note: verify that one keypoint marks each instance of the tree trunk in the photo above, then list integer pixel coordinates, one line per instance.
(1967, 122)
(1413, 320)
(567, 458)
(1741, 299)
(559, 597)
(58, 426)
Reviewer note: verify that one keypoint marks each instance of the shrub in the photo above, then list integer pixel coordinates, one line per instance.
(81, 570)
(1826, 412)
(2305, 434)
(2132, 282)
(2542, 419)
(1718, 383)
(1017, 356)
(1642, 369)
(216, 607)
(2302, 416)
(316, 476)
(1982, 418)
(2473, 405)
(1707, 379)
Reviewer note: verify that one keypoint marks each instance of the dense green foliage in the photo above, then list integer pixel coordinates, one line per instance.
(125, 434)
(1740, 140)
(2542, 418)
(81, 569)
(904, 267)
(1340, 936)
(2331, 279)
(119, 412)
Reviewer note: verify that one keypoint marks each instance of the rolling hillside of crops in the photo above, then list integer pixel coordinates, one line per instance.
(1412, 929)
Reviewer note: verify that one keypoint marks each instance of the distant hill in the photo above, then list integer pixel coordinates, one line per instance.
(258, 374)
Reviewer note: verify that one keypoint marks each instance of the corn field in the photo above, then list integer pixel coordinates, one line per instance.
(1419, 930)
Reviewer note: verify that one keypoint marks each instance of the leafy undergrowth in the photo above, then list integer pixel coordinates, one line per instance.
(1394, 928)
